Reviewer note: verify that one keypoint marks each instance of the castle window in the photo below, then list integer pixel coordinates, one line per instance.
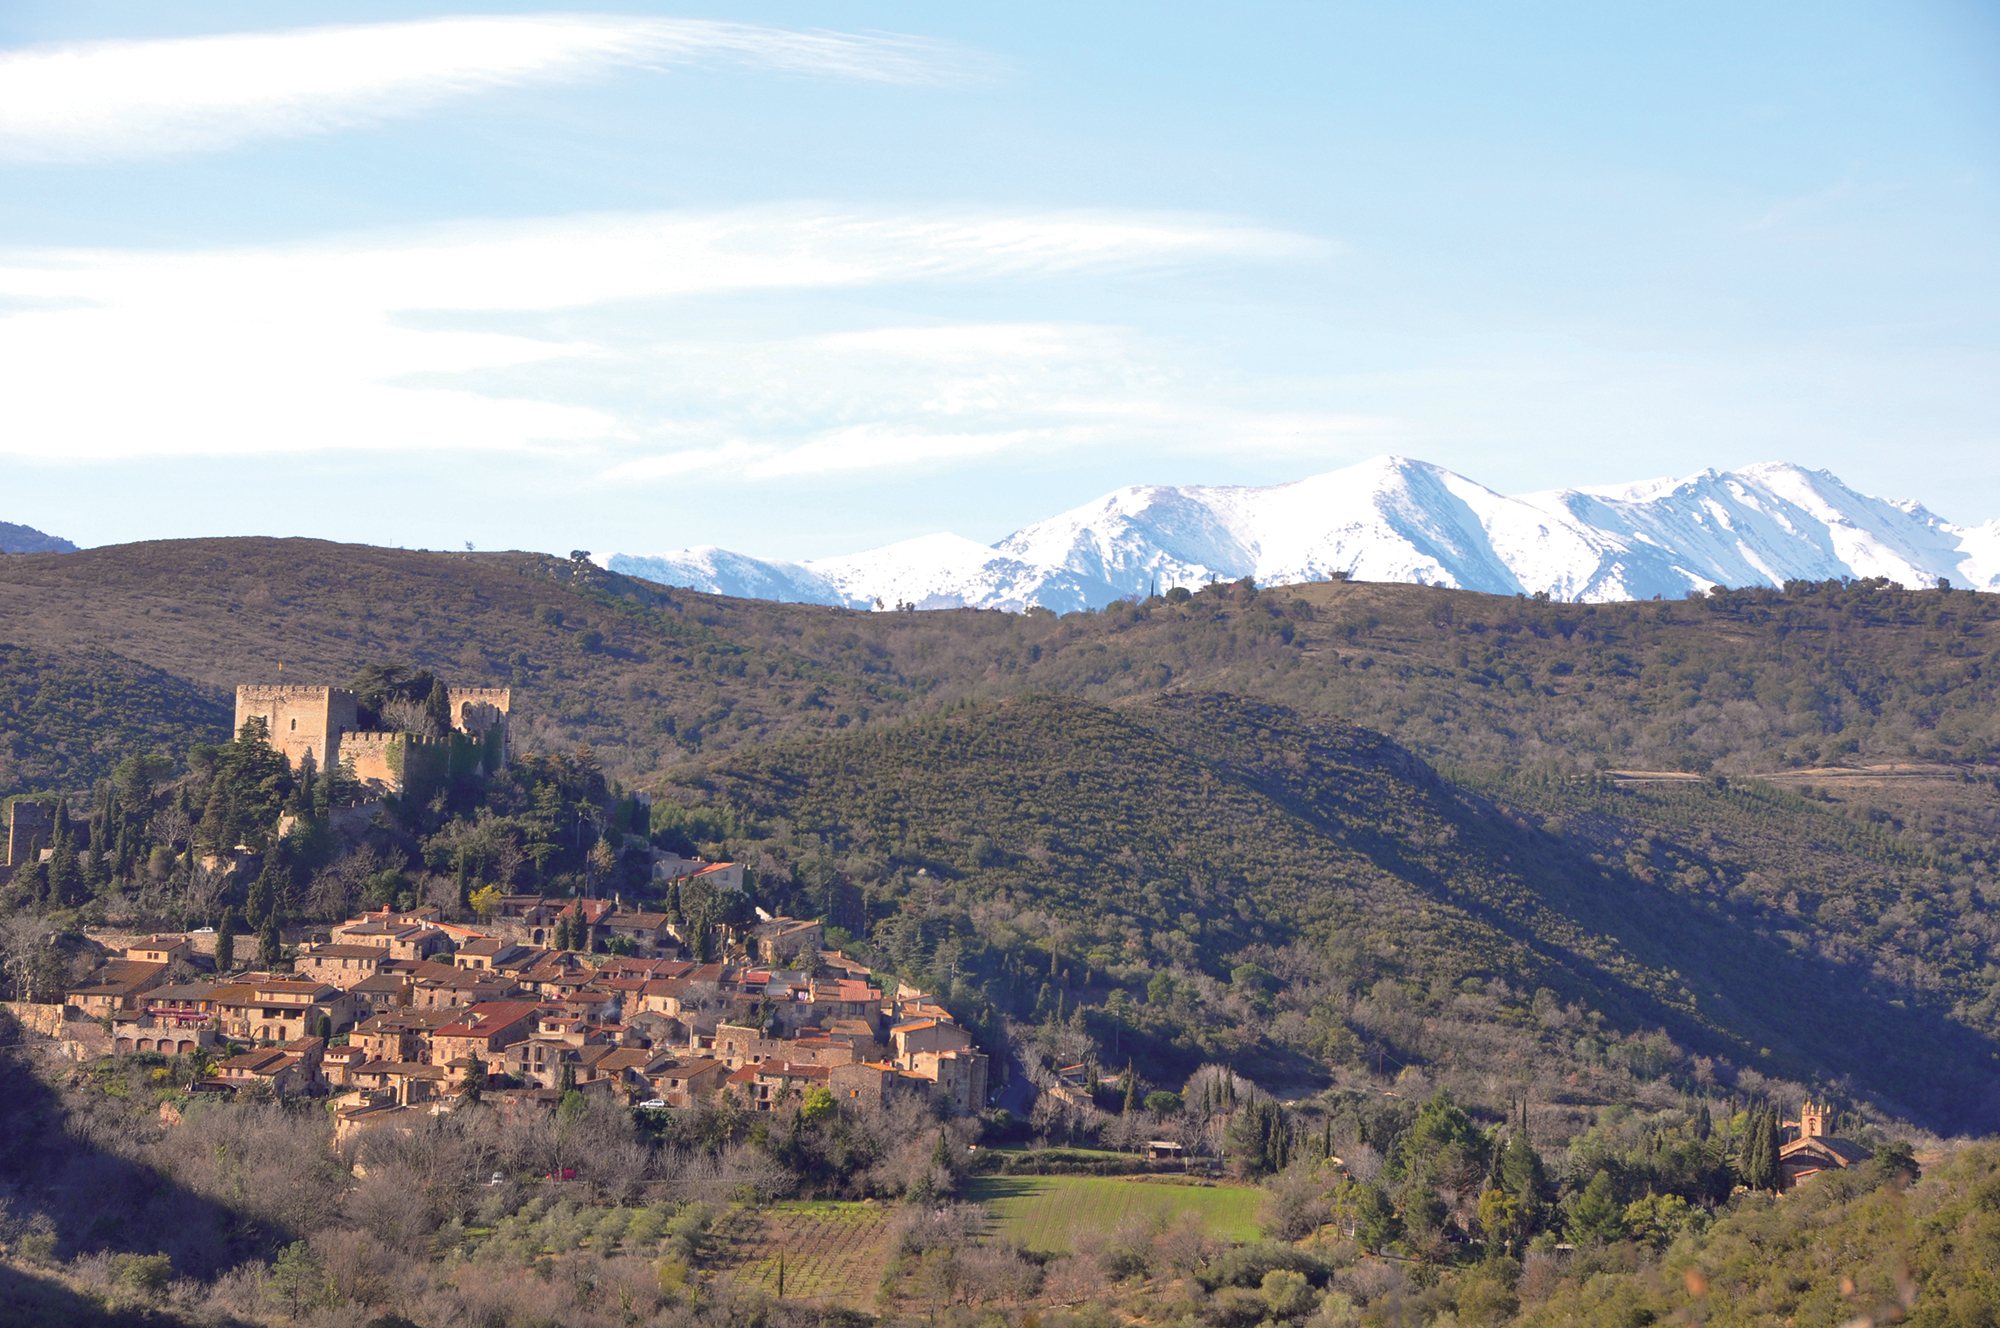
(295, 726)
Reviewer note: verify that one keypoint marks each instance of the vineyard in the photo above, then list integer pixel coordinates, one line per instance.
(829, 1252)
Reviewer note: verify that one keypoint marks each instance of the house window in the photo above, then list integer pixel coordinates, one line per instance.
(295, 726)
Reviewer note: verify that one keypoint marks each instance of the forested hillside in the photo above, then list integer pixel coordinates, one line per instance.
(1740, 682)
(1477, 928)
(1122, 810)
(1221, 879)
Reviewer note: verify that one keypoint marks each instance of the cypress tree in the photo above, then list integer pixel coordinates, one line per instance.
(66, 881)
(302, 792)
(1758, 1160)
(270, 946)
(437, 706)
(225, 941)
(263, 896)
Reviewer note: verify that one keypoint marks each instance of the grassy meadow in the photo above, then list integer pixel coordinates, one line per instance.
(1048, 1213)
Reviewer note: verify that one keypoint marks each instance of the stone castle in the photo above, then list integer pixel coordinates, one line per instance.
(324, 723)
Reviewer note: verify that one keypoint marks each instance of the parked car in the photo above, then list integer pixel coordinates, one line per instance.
(653, 1104)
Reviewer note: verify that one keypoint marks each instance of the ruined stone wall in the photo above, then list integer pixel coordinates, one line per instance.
(481, 714)
(80, 1037)
(498, 698)
(31, 828)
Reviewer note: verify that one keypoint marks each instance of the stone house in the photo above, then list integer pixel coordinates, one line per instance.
(690, 1082)
(261, 1008)
(340, 964)
(484, 1032)
(159, 949)
(116, 987)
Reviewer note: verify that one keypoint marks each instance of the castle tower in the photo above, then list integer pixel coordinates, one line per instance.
(480, 711)
(301, 719)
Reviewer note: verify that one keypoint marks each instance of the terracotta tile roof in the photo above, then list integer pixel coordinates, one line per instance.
(488, 1017)
(688, 1069)
(341, 950)
(120, 977)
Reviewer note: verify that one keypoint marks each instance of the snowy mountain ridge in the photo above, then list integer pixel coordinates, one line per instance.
(1389, 519)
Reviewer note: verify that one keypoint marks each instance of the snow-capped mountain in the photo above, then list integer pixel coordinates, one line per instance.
(1390, 519)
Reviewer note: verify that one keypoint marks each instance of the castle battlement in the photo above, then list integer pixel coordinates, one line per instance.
(497, 697)
(386, 738)
(311, 720)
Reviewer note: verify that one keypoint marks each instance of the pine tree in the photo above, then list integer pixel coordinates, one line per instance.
(1596, 1216)
(270, 945)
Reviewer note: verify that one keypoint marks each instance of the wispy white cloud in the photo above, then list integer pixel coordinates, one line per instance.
(937, 396)
(171, 96)
(439, 341)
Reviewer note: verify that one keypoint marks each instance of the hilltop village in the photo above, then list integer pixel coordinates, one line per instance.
(401, 1013)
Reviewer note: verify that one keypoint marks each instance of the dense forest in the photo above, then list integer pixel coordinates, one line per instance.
(1491, 936)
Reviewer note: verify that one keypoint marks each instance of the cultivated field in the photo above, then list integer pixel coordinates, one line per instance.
(833, 1253)
(1048, 1212)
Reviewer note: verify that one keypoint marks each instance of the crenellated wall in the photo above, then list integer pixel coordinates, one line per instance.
(324, 722)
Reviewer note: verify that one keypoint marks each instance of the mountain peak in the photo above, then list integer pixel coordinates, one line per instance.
(1393, 518)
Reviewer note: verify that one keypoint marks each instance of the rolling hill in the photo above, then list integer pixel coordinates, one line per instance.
(653, 678)
(1003, 802)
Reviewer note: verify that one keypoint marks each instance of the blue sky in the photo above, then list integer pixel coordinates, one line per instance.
(803, 279)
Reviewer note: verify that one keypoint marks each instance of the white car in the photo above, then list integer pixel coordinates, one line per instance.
(653, 1104)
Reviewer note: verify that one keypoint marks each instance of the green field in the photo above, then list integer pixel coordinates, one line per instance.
(1048, 1212)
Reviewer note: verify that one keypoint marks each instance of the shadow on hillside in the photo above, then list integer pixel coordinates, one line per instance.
(41, 1302)
(64, 1190)
(1762, 1004)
